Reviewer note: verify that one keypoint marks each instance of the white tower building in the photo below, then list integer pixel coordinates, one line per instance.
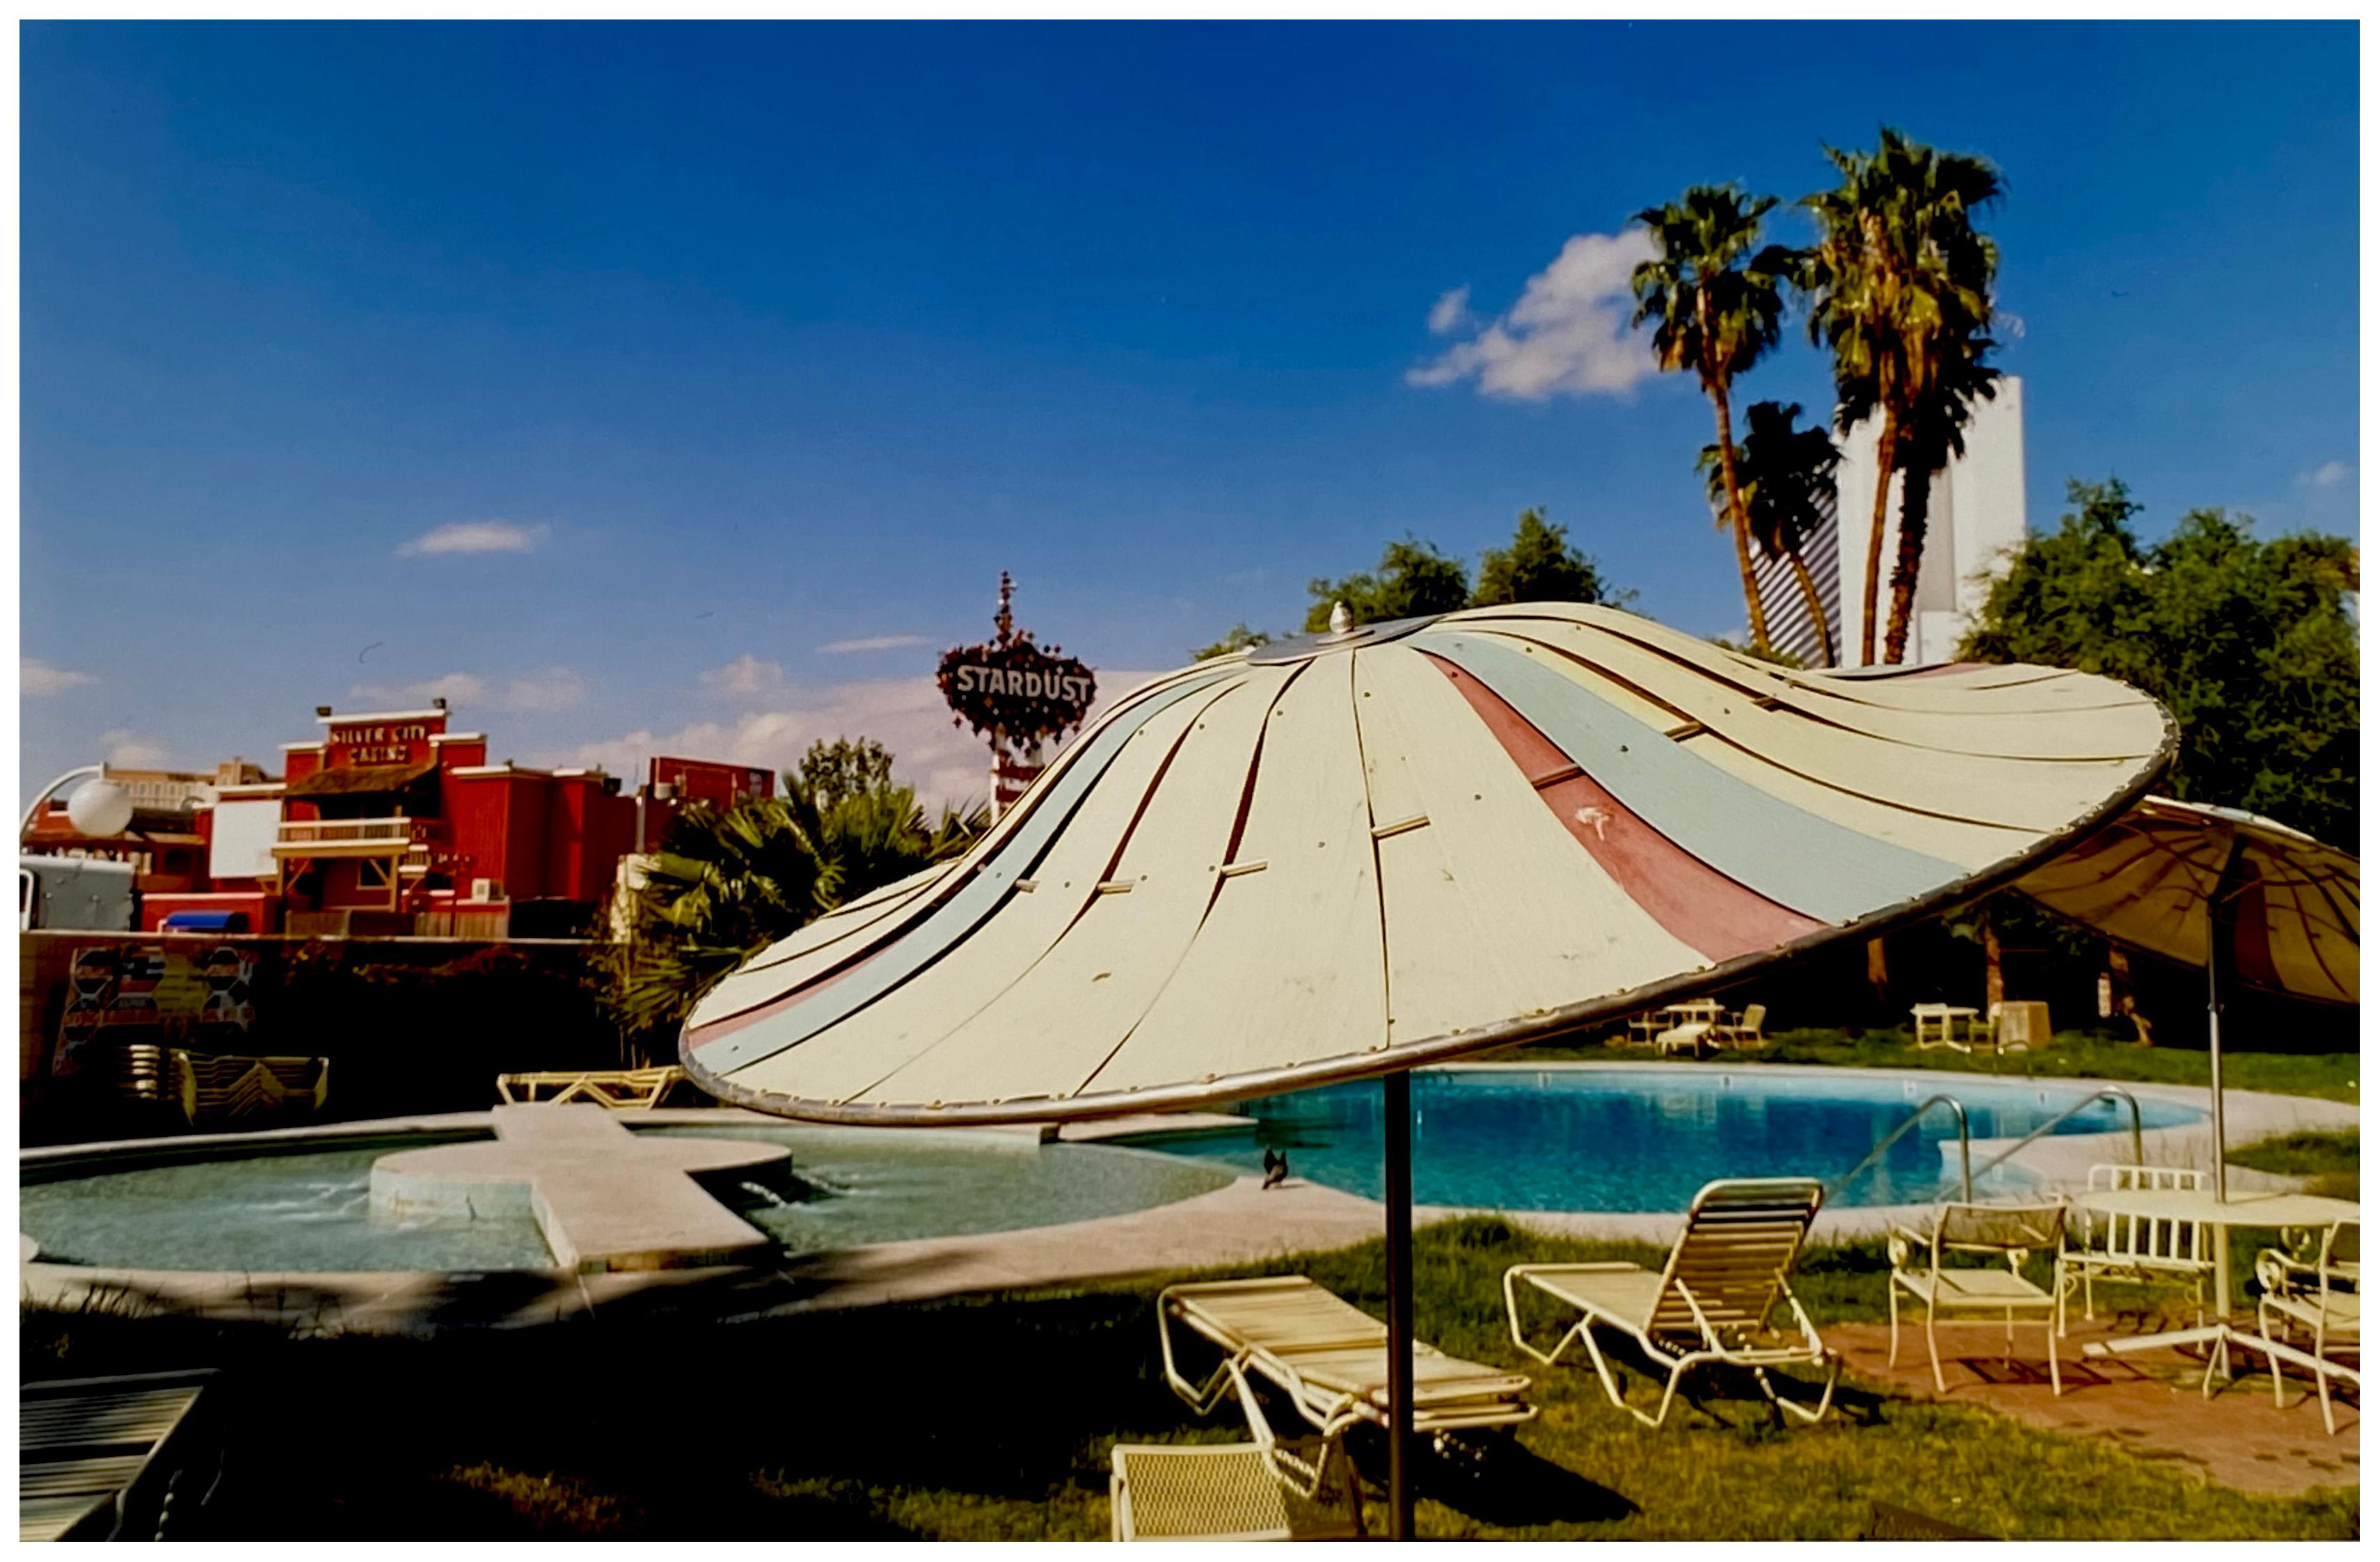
(1975, 520)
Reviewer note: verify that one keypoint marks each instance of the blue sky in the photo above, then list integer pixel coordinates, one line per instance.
(689, 387)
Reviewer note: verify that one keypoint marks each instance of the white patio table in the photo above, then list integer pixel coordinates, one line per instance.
(2288, 1212)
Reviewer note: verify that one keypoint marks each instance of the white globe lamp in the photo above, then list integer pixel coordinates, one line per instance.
(99, 807)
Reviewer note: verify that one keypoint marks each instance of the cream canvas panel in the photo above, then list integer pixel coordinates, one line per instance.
(2017, 792)
(1108, 968)
(976, 886)
(856, 1054)
(1443, 966)
(1910, 688)
(832, 936)
(2078, 732)
(1532, 891)
(1967, 842)
(1288, 965)
(822, 946)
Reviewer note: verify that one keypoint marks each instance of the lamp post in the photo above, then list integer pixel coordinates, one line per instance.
(100, 808)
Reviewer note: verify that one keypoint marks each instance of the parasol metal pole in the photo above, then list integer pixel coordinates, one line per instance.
(2222, 921)
(1396, 1157)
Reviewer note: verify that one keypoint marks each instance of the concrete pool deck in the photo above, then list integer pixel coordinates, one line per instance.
(1238, 1224)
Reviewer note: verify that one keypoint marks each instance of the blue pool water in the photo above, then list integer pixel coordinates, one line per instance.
(310, 1209)
(1606, 1139)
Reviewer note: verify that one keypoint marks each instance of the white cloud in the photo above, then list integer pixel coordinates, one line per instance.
(747, 677)
(872, 642)
(546, 688)
(475, 537)
(1452, 312)
(2330, 474)
(120, 746)
(36, 679)
(945, 763)
(1569, 334)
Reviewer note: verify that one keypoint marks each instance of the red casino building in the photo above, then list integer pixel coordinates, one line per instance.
(390, 824)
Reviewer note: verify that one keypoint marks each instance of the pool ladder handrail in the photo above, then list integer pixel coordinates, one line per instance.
(2112, 1092)
(1958, 1110)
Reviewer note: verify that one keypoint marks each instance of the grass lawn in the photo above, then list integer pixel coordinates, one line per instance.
(2330, 1161)
(2073, 1054)
(991, 1418)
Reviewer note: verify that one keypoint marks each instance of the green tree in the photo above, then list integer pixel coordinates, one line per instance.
(1715, 306)
(2250, 644)
(1787, 479)
(1901, 295)
(1414, 579)
(1239, 637)
(728, 882)
(1539, 566)
(844, 767)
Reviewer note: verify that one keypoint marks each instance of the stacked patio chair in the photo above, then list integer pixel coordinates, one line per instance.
(1265, 1490)
(2321, 1301)
(110, 1458)
(1330, 1358)
(1998, 1234)
(2134, 1248)
(1709, 1305)
(619, 1089)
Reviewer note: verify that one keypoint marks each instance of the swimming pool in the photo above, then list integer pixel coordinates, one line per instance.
(311, 1211)
(1645, 1139)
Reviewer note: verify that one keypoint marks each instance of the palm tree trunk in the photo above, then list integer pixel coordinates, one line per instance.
(1888, 446)
(1817, 609)
(1916, 498)
(1740, 523)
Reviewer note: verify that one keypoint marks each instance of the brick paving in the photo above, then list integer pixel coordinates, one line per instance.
(2148, 1403)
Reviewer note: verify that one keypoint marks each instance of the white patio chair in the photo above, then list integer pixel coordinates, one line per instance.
(1267, 1490)
(2320, 1299)
(2005, 1232)
(2136, 1248)
(1709, 1304)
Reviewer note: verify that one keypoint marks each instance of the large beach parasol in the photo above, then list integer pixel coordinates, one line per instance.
(2254, 902)
(1344, 856)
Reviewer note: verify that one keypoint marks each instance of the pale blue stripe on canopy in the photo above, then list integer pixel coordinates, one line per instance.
(927, 941)
(1798, 859)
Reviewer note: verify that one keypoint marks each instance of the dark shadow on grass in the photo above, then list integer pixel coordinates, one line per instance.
(1498, 1480)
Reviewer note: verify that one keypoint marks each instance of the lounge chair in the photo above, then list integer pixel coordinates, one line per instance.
(1688, 1037)
(108, 1457)
(1330, 1358)
(618, 1089)
(1260, 1491)
(1709, 1304)
(2007, 1232)
(1746, 1032)
(2129, 1247)
(2322, 1299)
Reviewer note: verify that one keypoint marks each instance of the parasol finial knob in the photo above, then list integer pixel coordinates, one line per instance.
(1342, 620)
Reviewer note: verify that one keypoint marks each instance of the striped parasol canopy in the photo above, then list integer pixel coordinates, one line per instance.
(2150, 881)
(1346, 856)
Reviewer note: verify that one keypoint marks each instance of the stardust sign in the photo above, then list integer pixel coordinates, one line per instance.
(1073, 688)
(1016, 691)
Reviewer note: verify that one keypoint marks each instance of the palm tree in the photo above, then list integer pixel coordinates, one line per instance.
(729, 882)
(1901, 289)
(1787, 477)
(1933, 431)
(726, 883)
(1715, 312)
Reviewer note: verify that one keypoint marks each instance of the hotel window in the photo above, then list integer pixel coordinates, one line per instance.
(375, 872)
